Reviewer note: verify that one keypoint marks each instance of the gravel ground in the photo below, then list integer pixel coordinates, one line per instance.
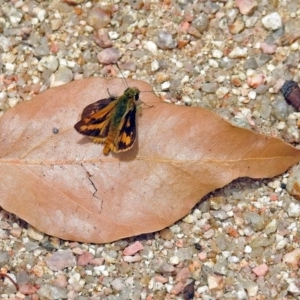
(231, 57)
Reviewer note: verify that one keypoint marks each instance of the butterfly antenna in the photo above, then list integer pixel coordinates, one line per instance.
(122, 75)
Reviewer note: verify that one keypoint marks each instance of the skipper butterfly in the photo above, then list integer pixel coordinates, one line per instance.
(111, 121)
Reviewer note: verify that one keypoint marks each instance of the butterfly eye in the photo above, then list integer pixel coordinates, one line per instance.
(136, 96)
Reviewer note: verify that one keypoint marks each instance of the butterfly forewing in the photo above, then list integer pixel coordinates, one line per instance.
(97, 106)
(96, 119)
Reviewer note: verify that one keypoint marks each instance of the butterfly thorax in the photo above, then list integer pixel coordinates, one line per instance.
(126, 102)
(122, 108)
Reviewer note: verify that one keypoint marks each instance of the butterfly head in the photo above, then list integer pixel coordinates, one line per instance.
(132, 92)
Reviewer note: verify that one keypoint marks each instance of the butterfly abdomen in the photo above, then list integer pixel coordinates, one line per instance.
(109, 142)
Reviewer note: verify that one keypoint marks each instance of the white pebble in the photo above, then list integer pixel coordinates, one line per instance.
(5, 43)
(34, 21)
(128, 37)
(252, 95)
(88, 29)
(188, 100)
(179, 64)
(151, 46)
(8, 57)
(215, 282)
(293, 288)
(213, 63)
(41, 14)
(271, 67)
(185, 79)
(74, 278)
(222, 91)
(294, 209)
(221, 78)
(154, 65)
(272, 21)
(294, 46)
(15, 16)
(169, 287)
(35, 234)
(202, 289)
(189, 219)
(274, 184)
(13, 101)
(248, 249)
(238, 52)
(3, 96)
(174, 260)
(165, 85)
(252, 290)
(281, 125)
(292, 226)
(233, 259)
(113, 35)
(217, 53)
(281, 244)
(141, 23)
(9, 66)
(48, 62)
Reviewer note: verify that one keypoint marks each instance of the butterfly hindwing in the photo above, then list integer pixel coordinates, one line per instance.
(127, 134)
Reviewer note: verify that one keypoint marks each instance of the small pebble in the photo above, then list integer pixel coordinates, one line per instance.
(35, 234)
(117, 284)
(165, 40)
(133, 248)
(261, 270)
(238, 52)
(166, 234)
(294, 209)
(62, 76)
(174, 260)
(246, 7)
(60, 260)
(152, 47)
(215, 282)
(47, 291)
(165, 85)
(109, 56)
(272, 21)
(292, 258)
(98, 18)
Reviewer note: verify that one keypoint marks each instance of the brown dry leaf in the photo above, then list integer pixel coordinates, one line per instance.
(63, 185)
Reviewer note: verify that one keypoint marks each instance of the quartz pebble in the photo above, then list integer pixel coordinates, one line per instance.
(62, 76)
(60, 260)
(215, 282)
(109, 56)
(246, 7)
(238, 52)
(35, 234)
(272, 21)
(174, 260)
(47, 291)
(151, 46)
(165, 40)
